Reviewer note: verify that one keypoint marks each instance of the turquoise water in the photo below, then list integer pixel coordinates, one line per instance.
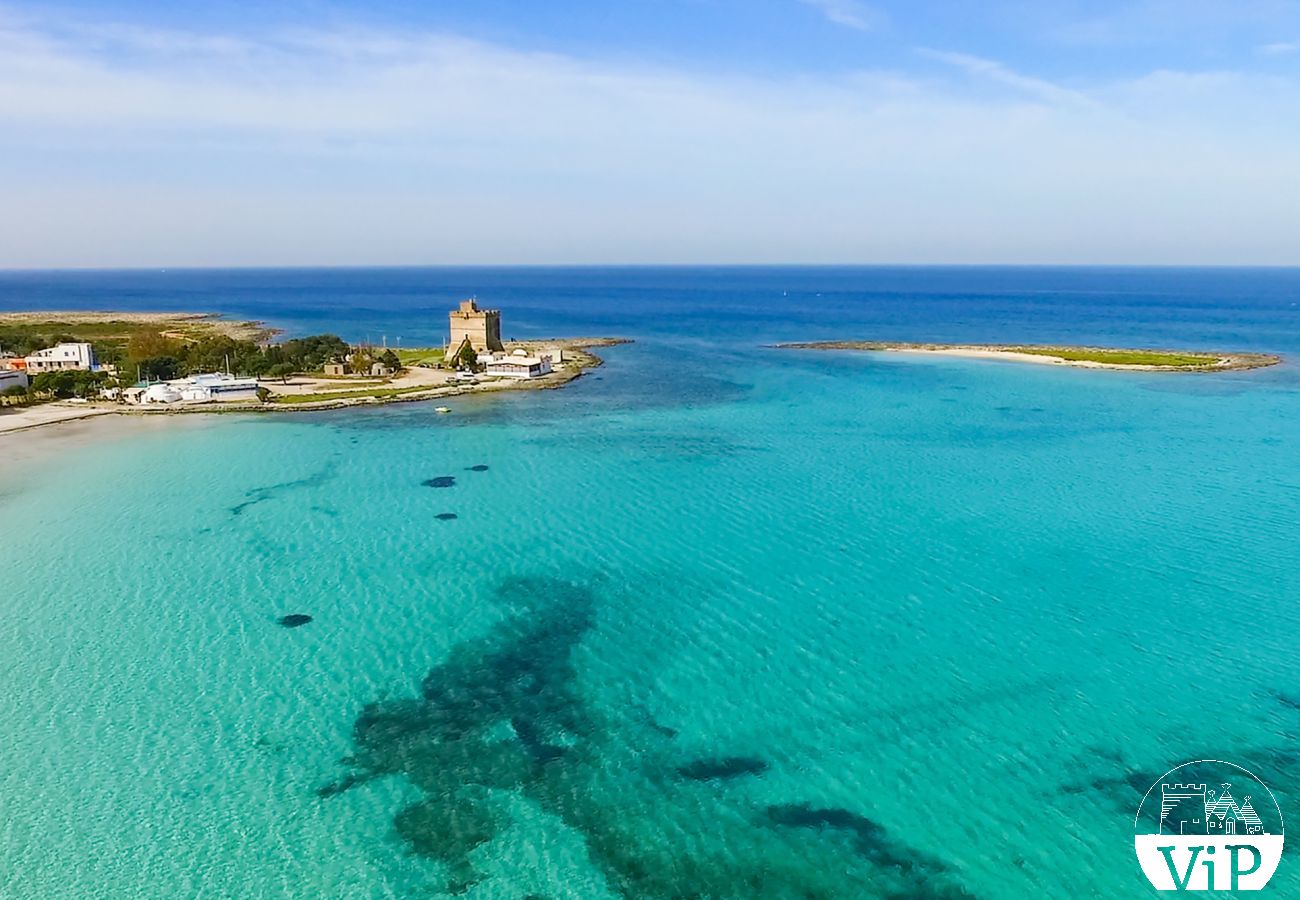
(716, 621)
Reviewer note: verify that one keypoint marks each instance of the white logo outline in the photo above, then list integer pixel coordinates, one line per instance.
(1259, 841)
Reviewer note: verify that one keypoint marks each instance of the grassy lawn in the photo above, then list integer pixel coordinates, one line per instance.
(348, 395)
(1122, 357)
(415, 356)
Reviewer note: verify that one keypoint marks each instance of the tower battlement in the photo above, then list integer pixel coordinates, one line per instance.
(1182, 788)
(481, 328)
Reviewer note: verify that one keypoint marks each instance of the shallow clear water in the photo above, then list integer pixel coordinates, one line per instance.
(716, 620)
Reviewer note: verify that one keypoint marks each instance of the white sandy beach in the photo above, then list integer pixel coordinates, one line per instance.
(1041, 359)
(23, 418)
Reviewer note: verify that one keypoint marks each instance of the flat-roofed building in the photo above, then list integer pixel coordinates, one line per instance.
(517, 366)
(63, 356)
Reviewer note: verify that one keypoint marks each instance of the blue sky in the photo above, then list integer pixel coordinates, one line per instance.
(501, 131)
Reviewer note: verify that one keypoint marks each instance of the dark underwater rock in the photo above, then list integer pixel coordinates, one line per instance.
(1287, 700)
(871, 839)
(478, 468)
(447, 517)
(442, 481)
(294, 620)
(805, 815)
(508, 712)
(718, 769)
(334, 788)
(446, 831)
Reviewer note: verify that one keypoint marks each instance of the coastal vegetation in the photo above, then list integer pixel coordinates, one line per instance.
(61, 385)
(155, 356)
(163, 347)
(420, 356)
(1122, 357)
(24, 333)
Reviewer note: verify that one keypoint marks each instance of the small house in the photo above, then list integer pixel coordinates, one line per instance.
(520, 365)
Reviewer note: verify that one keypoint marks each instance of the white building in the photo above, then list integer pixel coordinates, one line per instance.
(520, 365)
(214, 388)
(160, 393)
(63, 356)
(12, 378)
(219, 387)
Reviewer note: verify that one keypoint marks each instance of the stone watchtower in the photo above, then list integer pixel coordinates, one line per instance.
(481, 328)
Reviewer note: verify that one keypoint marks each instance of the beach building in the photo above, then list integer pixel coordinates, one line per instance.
(63, 356)
(8, 363)
(12, 378)
(520, 365)
(217, 387)
(479, 329)
(160, 393)
(336, 369)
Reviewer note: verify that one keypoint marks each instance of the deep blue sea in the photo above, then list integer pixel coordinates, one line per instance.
(713, 621)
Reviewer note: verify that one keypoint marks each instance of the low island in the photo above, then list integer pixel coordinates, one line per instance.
(61, 366)
(1139, 360)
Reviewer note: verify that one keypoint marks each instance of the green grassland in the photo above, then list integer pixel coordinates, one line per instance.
(1122, 357)
(420, 356)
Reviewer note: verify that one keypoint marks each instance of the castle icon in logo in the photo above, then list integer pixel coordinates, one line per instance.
(1191, 809)
(1192, 833)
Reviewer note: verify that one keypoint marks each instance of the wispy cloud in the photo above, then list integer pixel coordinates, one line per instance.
(1281, 48)
(999, 73)
(342, 145)
(849, 13)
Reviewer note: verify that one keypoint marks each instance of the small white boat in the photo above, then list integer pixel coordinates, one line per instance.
(443, 410)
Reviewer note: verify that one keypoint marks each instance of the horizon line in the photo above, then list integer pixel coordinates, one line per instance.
(342, 267)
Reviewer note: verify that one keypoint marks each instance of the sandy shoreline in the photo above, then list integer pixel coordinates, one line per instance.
(26, 418)
(1215, 361)
(34, 449)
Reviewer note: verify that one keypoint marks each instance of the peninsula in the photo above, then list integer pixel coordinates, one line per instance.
(1140, 360)
(60, 366)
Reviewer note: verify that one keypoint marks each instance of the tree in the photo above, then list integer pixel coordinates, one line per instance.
(69, 383)
(361, 362)
(150, 344)
(467, 358)
(281, 371)
(309, 354)
(391, 360)
(158, 368)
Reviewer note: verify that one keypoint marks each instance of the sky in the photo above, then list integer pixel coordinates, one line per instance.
(491, 132)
